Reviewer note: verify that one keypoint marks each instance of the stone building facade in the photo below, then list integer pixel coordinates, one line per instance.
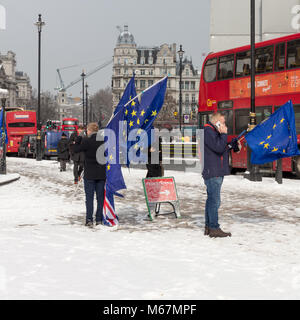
(151, 64)
(23, 89)
(16, 82)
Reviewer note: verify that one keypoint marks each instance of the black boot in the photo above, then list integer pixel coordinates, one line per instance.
(218, 233)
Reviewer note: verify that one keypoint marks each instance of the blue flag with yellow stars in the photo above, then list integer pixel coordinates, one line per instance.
(275, 137)
(128, 94)
(141, 115)
(2, 124)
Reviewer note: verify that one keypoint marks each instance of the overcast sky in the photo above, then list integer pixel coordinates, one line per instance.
(84, 31)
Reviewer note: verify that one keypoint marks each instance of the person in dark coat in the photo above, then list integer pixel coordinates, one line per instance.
(216, 166)
(63, 151)
(94, 173)
(78, 158)
(155, 169)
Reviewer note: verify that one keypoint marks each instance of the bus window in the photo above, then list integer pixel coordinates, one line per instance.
(264, 60)
(262, 113)
(279, 56)
(21, 124)
(297, 117)
(225, 69)
(225, 104)
(243, 64)
(293, 54)
(210, 70)
(241, 120)
(229, 120)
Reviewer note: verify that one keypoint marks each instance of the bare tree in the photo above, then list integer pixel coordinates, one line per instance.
(49, 107)
(102, 105)
(166, 115)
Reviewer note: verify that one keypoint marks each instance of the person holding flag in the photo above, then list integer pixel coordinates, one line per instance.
(131, 125)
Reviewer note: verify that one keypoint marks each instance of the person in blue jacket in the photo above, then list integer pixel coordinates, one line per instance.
(216, 166)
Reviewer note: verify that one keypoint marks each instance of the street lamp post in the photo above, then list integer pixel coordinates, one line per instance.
(253, 170)
(86, 104)
(83, 98)
(180, 54)
(39, 25)
(3, 94)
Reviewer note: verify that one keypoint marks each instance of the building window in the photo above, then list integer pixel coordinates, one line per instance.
(186, 98)
(187, 85)
(193, 98)
(187, 71)
(142, 84)
(142, 60)
(150, 83)
(192, 85)
(151, 72)
(142, 72)
(117, 71)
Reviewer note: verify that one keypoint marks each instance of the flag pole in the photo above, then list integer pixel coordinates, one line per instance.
(145, 90)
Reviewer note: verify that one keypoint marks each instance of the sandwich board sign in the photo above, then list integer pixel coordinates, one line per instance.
(161, 190)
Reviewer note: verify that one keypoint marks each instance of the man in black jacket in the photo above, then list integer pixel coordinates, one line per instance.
(94, 173)
(78, 158)
(63, 151)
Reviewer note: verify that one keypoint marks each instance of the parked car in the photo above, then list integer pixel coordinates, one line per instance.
(27, 146)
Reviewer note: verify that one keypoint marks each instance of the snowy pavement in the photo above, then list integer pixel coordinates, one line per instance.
(47, 253)
(8, 178)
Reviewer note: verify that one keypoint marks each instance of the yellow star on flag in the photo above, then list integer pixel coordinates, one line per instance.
(274, 149)
(274, 126)
(262, 142)
(132, 103)
(154, 113)
(146, 120)
(130, 124)
(139, 131)
(138, 121)
(269, 136)
(136, 146)
(111, 157)
(283, 151)
(133, 113)
(143, 112)
(282, 120)
(266, 146)
(108, 167)
(126, 112)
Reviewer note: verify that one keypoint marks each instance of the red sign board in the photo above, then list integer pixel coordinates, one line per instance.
(160, 190)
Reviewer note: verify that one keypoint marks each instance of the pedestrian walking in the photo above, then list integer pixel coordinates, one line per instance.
(63, 151)
(78, 158)
(94, 173)
(216, 166)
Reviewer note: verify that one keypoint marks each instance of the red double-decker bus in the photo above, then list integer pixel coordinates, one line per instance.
(19, 123)
(70, 124)
(225, 87)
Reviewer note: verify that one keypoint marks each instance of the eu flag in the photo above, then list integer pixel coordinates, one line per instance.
(275, 137)
(2, 123)
(141, 116)
(128, 94)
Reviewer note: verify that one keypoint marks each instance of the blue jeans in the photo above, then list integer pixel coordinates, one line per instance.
(90, 187)
(213, 202)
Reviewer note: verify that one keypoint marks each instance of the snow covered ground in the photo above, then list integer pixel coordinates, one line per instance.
(47, 253)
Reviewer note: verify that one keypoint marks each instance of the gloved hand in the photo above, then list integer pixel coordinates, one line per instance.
(234, 145)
